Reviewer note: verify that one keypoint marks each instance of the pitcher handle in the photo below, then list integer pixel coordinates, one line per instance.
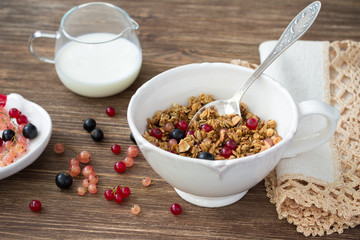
(39, 34)
(309, 108)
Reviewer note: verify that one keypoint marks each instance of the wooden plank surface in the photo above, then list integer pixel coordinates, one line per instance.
(171, 33)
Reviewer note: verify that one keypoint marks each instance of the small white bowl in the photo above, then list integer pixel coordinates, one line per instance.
(41, 119)
(219, 183)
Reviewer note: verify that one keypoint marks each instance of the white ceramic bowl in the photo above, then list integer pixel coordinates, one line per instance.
(41, 119)
(213, 183)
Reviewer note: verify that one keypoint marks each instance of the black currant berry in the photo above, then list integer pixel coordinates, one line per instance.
(30, 131)
(206, 155)
(132, 138)
(177, 134)
(8, 135)
(89, 124)
(63, 180)
(97, 135)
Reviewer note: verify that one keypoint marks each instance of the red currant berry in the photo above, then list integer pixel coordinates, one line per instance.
(125, 191)
(183, 125)
(110, 111)
(14, 113)
(3, 99)
(225, 152)
(206, 127)
(190, 132)
(156, 133)
(119, 167)
(35, 205)
(252, 123)
(176, 209)
(116, 149)
(118, 198)
(109, 194)
(1, 142)
(21, 119)
(231, 143)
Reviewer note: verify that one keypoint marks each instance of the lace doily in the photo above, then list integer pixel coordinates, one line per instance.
(316, 208)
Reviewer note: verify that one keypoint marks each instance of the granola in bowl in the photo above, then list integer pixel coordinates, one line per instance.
(212, 137)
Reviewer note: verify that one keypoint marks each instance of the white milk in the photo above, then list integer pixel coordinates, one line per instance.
(98, 70)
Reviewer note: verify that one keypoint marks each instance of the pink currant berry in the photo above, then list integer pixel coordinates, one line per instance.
(74, 170)
(132, 151)
(110, 111)
(81, 191)
(146, 181)
(225, 152)
(251, 123)
(109, 194)
(116, 149)
(92, 188)
(171, 143)
(176, 209)
(93, 178)
(119, 167)
(156, 133)
(86, 183)
(231, 143)
(135, 209)
(74, 161)
(84, 156)
(14, 113)
(129, 161)
(87, 171)
(183, 125)
(35, 205)
(206, 127)
(59, 148)
(168, 127)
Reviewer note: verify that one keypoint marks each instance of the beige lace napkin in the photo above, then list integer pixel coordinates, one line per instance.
(319, 191)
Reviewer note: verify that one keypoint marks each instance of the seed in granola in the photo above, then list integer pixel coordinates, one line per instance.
(177, 134)
(251, 123)
(231, 143)
(206, 127)
(225, 152)
(206, 155)
(183, 125)
(168, 127)
(156, 133)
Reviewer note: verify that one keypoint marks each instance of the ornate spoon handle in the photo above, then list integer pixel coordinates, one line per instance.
(296, 28)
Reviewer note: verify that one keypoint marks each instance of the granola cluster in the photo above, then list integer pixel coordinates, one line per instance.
(214, 138)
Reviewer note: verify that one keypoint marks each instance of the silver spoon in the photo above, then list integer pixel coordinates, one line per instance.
(297, 27)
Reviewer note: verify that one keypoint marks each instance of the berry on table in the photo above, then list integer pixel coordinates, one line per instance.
(97, 135)
(135, 209)
(132, 151)
(109, 194)
(74, 170)
(177, 134)
(92, 189)
(125, 192)
(84, 156)
(35, 205)
(59, 148)
(93, 178)
(119, 167)
(206, 155)
(251, 123)
(129, 161)
(87, 171)
(86, 182)
(74, 161)
(89, 124)
(132, 138)
(156, 133)
(225, 152)
(30, 131)
(176, 209)
(81, 191)
(110, 111)
(118, 197)
(146, 181)
(63, 180)
(115, 148)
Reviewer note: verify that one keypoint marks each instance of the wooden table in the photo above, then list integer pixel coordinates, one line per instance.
(172, 33)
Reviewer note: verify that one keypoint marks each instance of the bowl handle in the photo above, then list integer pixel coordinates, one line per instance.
(317, 138)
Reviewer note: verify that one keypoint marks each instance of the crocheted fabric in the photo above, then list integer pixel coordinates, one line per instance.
(315, 207)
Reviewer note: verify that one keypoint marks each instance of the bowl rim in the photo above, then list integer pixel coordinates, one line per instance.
(141, 141)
